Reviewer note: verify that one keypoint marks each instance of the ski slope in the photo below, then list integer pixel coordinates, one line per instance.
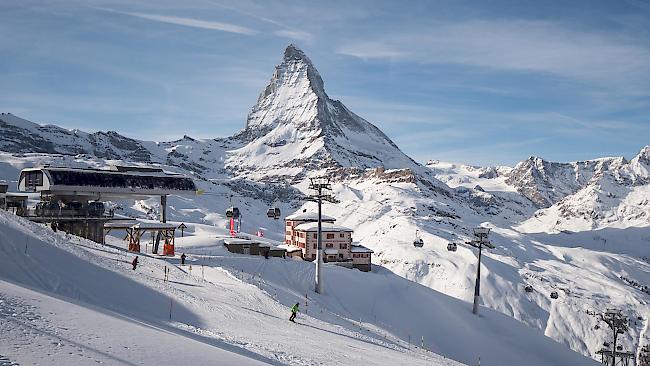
(71, 301)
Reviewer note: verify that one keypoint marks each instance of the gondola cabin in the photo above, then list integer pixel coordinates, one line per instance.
(233, 212)
(528, 288)
(273, 213)
(418, 242)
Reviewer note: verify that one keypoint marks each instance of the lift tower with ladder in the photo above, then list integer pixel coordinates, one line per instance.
(481, 234)
(618, 323)
(319, 185)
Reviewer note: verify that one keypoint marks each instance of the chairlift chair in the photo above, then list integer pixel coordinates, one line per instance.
(452, 247)
(418, 242)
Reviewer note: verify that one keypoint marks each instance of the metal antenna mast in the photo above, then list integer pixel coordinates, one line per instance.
(318, 185)
(481, 234)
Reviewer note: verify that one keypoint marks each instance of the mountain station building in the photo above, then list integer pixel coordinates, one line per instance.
(301, 231)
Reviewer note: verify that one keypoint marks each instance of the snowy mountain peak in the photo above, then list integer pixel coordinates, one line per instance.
(546, 182)
(293, 53)
(640, 165)
(644, 154)
(296, 122)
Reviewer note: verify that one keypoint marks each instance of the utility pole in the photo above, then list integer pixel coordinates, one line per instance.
(481, 234)
(318, 185)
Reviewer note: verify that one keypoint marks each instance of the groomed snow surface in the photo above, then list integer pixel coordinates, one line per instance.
(69, 301)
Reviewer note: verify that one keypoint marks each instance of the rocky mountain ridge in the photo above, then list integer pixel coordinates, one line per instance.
(296, 130)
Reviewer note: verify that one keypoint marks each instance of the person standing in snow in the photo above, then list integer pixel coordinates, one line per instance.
(294, 311)
(135, 262)
(183, 259)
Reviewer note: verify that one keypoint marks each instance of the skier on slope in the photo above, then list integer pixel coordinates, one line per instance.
(294, 311)
(135, 262)
(183, 259)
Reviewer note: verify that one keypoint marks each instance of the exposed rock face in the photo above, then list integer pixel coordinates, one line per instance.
(21, 136)
(616, 195)
(545, 183)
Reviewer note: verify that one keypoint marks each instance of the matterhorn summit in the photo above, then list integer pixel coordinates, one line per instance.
(296, 127)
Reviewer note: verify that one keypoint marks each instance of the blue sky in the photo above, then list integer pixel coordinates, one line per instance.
(480, 82)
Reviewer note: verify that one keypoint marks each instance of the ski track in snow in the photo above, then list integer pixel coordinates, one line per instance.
(578, 228)
(230, 311)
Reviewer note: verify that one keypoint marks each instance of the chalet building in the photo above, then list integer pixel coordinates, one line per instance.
(361, 257)
(253, 247)
(302, 232)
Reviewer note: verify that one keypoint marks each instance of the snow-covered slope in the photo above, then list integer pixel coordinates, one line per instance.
(594, 256)
(77, 301)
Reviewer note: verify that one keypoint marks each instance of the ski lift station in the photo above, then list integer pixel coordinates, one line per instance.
(73, 199)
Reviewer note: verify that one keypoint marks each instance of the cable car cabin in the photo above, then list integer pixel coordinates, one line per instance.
(418, 242)
(232, 212)
(452, 247)
(97, 184)
(554, 295)
(528, 288)
(273, 213)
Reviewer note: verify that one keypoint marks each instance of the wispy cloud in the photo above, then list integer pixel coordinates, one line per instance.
(190, 22)
(516, 45)
(373, 50)
(294, 34)
(286, 31)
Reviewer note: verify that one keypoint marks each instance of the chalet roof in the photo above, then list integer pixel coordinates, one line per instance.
(326, 227)
(139, 225)
(118, 225)
(289, 248)
(154, 226)
(360, 249)
(239, 241)
(309, 216)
